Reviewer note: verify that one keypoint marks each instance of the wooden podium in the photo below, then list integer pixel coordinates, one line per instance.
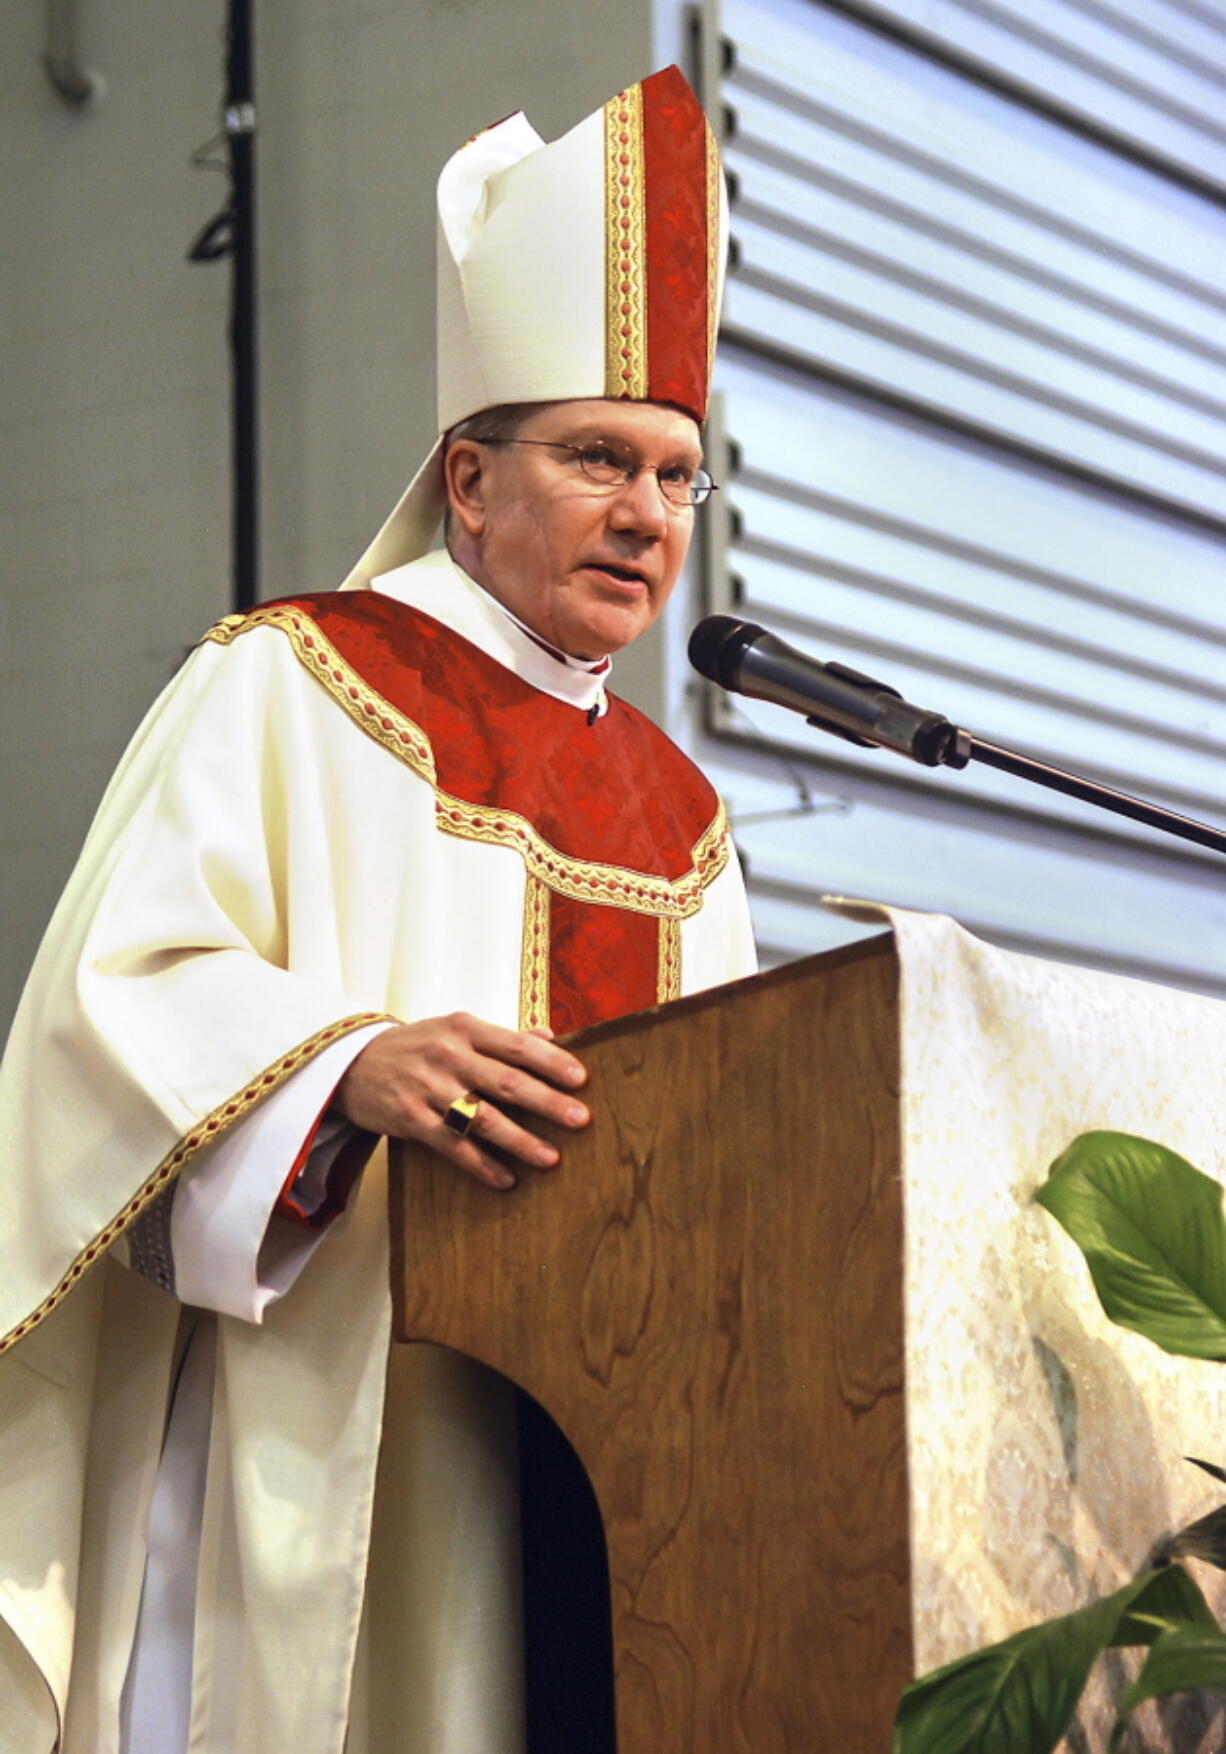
(707, 1297)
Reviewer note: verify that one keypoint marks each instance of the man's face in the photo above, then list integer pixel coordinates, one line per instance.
(588, 568)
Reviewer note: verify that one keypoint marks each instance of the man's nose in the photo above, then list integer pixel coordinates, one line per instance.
(641, 505)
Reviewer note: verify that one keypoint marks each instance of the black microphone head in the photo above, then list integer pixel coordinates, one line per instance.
(716, 647)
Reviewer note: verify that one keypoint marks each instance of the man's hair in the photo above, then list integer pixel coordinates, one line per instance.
(504, 421)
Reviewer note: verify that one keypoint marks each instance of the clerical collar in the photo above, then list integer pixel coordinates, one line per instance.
(592, 666)
(438, 587)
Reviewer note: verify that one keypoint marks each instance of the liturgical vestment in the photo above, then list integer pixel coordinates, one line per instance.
(347, 808)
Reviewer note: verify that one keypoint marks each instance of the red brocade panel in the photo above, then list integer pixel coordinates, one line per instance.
(616, 792)
(602, 963)
(675, 197)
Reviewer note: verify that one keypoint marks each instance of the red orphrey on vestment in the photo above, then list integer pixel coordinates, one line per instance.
(662, 267)
(675, 170)
(613, 793)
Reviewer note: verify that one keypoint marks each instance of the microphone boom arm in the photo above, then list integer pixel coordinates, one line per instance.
(1073, 785)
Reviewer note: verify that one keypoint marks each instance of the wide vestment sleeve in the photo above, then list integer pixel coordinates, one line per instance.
(193, 964)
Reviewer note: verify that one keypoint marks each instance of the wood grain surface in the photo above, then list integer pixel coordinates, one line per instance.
(707, 1297)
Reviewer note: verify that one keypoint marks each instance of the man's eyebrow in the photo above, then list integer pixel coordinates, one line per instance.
(590, 435)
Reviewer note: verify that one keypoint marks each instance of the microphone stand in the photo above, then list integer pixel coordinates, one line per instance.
(1025, 767)
(935, 742)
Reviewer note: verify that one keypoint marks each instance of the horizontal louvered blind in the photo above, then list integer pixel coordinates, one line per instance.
(969, 584)
(974, 385)
(921, 247)
(1149, 73)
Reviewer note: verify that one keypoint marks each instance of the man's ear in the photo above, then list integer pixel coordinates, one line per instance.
(464, 475)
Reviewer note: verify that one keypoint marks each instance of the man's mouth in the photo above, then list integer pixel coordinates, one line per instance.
(628, 575)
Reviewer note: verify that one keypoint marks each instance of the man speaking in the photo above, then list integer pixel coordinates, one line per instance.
(367, 855)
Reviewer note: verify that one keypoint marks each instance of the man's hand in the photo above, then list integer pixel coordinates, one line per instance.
(404, 1081)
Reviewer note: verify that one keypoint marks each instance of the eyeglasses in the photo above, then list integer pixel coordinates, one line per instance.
(680, 483)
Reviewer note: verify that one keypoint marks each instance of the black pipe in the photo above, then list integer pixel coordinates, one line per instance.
(240, 136)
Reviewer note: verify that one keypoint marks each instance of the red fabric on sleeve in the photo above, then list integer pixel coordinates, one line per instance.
(348, 1164)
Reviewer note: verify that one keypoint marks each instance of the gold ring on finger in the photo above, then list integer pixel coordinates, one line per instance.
(461, 1114)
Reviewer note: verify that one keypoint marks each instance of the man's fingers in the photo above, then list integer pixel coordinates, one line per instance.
(509, 1087)
(533, 1051)
(490, 1126)
(467, 1155)
(409, 1077)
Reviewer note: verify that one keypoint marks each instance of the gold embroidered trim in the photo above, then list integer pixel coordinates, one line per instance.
(607, 885)
(668, 977)
(367, 708)
(214, 1124)
(625, 248)
(579, 879)
(714, 182)
(534, 963)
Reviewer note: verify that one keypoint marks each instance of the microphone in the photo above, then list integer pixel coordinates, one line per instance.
(745, 658)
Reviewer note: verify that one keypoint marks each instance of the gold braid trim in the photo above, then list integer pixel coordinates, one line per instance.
(668, 976)
(534, 962)
(607, 885)
(368, 709)
(580, 879)
(714, 181)
(214, 1124)
(625, 248)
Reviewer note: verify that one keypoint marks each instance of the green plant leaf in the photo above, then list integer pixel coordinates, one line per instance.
(1209, 1467)
(1171, 1598)
(1152, 1231)
(1182, 1657)
(1018, 1697)
(1204, 1539)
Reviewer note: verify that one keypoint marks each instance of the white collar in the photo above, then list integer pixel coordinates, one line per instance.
(439, 588)
(593, 666)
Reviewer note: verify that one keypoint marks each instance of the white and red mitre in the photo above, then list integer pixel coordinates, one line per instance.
(590, 267)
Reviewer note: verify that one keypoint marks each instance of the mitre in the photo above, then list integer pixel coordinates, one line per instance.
(591, 266)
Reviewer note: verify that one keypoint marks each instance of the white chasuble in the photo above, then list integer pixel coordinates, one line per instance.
(346, 808)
